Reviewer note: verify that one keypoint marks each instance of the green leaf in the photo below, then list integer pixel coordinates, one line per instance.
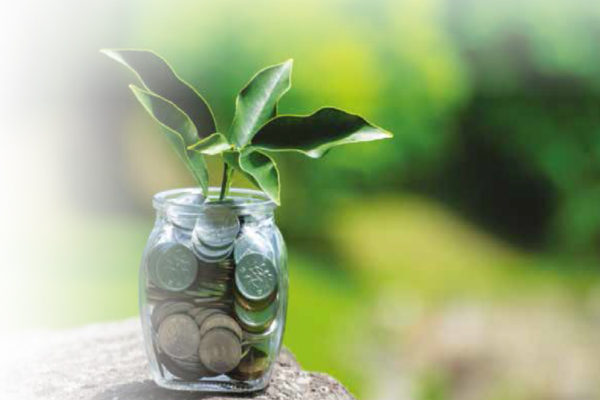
(258, 168)
(313, 135)
(257, 102)
(168, 114)
(231, 157)
(263, 169)
(198, 168)
(158, 77)
(211, 145)
(178, 129)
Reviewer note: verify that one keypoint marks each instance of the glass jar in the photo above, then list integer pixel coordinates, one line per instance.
(213, 291)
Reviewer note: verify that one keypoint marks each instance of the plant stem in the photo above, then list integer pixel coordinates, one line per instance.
(224, 182)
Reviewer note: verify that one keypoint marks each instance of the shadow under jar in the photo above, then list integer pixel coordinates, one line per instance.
(213, 291)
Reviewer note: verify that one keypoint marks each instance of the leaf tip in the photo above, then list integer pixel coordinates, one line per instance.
(135, 89)
(289, 64)
(110, 53)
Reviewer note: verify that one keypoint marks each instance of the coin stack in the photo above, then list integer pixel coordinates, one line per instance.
(214, 296)
(215, 233)
(255, 292)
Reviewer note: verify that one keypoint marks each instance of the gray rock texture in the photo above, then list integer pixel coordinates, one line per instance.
(107, 362)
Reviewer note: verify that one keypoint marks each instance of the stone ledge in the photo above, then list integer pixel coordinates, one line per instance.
(107, 362)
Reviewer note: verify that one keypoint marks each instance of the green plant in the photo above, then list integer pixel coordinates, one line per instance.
(187, 121)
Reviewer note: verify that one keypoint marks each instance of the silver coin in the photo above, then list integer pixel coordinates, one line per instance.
(194, 311)
(220, 350)
(255, 321)
(217, 226)
(179, 336)
(184, 220)
(253, 305)
(255, 277)
(163, 310)
(210, 254)
(208, 292)
(200, 317)
(183, 235)
(217, 302)
(220, 320)
(172, 266)
(251, 241)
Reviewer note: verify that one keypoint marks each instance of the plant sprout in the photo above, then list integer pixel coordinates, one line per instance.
(256, 130)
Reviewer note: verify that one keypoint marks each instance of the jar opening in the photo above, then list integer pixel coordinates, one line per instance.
(240, 200)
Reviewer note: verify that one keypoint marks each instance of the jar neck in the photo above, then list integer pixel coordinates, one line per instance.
(252, 206)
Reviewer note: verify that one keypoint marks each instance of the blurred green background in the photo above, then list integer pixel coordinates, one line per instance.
(457, 261)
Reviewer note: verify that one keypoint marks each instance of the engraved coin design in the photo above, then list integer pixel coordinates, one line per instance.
(220, 350)
(174, 268)
(217, 226)
(255, 277)
(179, 336)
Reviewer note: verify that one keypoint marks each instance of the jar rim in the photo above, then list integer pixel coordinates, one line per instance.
(243, 200)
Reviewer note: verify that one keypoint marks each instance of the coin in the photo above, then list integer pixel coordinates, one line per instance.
(226, 264)
(195, 311)
(220, 350)
(255, 277)
(217, 226)
(182, 234)
(204, 314)
(251, 241)
(198, 295)
(178, 336)
(181, 217)
(253, 305)
(222, 267)
(255, 321)
(220, 320)
(202, 292)
(208, 253)
(172, 266)
(163, 310)
(179, 371)
(252, 366)
(192, 364)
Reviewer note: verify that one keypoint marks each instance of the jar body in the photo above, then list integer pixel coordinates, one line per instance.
(213, 291)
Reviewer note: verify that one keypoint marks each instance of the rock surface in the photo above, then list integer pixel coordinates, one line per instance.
(107, 362)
